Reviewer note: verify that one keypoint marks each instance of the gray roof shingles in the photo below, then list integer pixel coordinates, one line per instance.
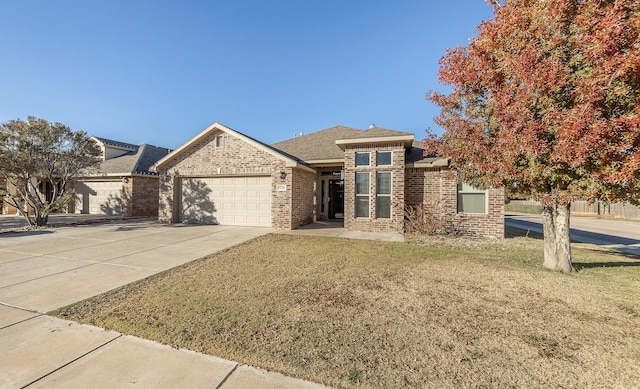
(320, 145)
(115, 143)
(138, 161)
(377, 132)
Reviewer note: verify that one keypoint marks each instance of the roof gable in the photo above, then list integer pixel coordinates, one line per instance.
(290, 160)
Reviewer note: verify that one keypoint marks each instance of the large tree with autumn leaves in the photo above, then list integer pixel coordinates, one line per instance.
(545, 101)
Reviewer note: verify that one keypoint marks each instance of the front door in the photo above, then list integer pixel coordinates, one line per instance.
(336, 199)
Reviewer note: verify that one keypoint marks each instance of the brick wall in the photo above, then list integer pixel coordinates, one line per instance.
(235, 158)
(126, 198)
(304, 191)
(372, 223)
(437, 189)
(144, 196)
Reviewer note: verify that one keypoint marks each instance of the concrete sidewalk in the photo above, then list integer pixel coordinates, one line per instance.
(335, 229)
(47, 269)
(58, 219)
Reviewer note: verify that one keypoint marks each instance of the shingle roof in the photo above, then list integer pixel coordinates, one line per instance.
(320, 145)
(116, 143)
(377, 132)
(416, 154)
(138, 161)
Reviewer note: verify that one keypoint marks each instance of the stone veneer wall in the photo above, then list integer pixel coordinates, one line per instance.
(373, 224)
(437, 188)
(236, 158)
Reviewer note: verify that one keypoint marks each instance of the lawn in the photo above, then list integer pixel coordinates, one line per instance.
(351, 313)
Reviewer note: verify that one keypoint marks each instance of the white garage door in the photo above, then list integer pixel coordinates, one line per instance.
(99, 197)
(236, 201)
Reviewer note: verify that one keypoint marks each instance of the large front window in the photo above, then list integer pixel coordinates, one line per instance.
(362, 194)
(471, 199)
(383, 195)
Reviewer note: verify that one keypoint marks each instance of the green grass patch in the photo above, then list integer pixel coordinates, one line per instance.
(350, 313)
(523, 208)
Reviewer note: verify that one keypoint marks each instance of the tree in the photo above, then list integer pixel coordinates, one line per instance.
(38, 159)
(544, 100)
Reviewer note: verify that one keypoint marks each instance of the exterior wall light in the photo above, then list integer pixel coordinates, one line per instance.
(283, 174)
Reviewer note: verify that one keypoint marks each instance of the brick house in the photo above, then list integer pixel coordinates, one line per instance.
(367, 178)
(123, 184)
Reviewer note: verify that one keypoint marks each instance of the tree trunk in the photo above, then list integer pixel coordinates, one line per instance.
(41, 220)
(557, 237)
(549, 233)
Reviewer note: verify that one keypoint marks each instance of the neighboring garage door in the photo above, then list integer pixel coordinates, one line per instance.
(99, 197)
(236, 201)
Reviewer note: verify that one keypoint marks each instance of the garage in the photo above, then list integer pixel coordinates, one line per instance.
(235, 201)
(99, 197)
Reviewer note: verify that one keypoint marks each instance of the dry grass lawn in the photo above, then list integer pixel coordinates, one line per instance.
(349, 313)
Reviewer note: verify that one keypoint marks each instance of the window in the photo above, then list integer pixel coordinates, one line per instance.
(219, 141)
(471, 199)
(362, 194)
(362, 159)
(383, 158)
(383, 195)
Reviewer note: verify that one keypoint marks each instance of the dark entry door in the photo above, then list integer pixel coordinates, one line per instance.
(336, 199)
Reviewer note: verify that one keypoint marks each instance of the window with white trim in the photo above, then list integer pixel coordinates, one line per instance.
(383, 195)
(383, 158)
(219, 141)
(363, 158)
(471, 199)
(362, 194)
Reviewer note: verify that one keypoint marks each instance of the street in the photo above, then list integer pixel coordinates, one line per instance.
(614, 234)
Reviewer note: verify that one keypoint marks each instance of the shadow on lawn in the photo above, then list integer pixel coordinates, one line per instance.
(635, 260)
(590, 265)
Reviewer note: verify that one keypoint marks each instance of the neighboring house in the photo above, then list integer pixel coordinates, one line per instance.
(5, 208)
(367, 178)
(123, 184)
(45, 188)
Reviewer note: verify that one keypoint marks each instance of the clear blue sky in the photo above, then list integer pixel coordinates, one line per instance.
(159, 72)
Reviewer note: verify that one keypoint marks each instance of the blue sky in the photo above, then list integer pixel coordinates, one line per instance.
(159, 72)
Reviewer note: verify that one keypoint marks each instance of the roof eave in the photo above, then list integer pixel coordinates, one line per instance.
(114, 175)
(440, 162)
(325, 162)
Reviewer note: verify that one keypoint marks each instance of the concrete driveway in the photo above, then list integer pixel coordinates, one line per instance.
(48, 269)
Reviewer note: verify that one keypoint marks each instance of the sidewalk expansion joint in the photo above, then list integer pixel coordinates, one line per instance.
(71, 361)
(227, 376)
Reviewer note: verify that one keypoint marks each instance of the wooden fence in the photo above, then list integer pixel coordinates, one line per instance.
(598, 208)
